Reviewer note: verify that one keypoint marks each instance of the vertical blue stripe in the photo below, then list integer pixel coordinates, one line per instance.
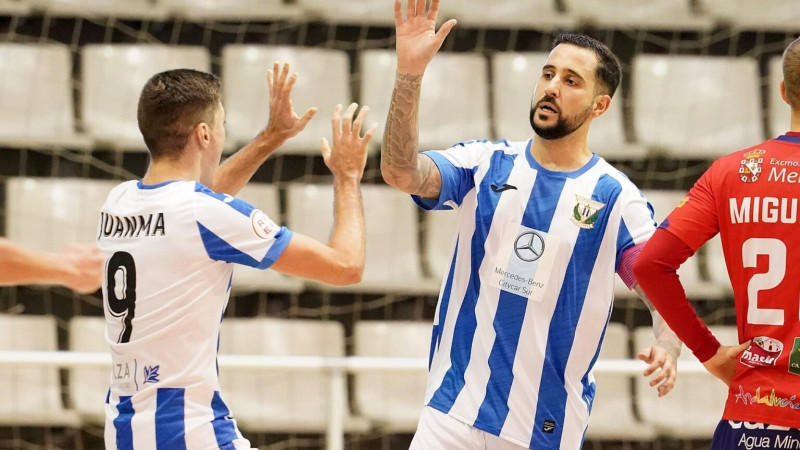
(122, 423)
(170, 425)
(224, 426)
(561, 335)
(444, 303)
(500, 167)
(507, 326)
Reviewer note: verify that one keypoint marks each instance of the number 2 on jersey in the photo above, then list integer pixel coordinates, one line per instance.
(775, 250)
(121, 289)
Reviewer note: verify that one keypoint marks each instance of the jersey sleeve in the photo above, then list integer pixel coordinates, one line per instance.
(235, 231)
(635, 228)
(457, 167)
(694, 220)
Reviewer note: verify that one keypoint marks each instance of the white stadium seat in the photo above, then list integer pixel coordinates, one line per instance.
(323, 81)
(392, 401)
(14, 7)
(36, 88)
(350, 12)
(120, 9)
(454, 102)
(232, 10)
(514, 77)
(31, 395)
(88, 386)
(113, 77)
(393, 262)
(779, 112)
(694, 407)
(526, 14)
(281, 400)
(683, 106)
(770, 16)
(639, 14)
(247, 279)
(612, 416)
(47, 213)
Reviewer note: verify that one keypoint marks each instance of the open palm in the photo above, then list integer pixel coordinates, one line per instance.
(417, 39)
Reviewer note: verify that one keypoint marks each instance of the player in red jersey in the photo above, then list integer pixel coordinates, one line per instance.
(752, 198)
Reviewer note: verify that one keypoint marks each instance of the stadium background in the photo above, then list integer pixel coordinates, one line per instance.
(702, 28)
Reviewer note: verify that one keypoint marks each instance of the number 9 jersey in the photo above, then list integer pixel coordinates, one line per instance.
(751, 198)
(169, 249)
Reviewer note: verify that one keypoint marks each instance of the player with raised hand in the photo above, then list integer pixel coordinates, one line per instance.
(543, 226)
(750, 198)
(170, 239)
(77, 267)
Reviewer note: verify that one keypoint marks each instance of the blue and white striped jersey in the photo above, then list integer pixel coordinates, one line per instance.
(529, 290)
(168, 250)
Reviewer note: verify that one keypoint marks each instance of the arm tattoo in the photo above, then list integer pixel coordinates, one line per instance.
(399, 158)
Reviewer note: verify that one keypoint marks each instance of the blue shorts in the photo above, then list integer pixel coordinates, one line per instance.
(754, 436)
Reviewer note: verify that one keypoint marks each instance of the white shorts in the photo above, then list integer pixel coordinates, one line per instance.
(438, 431)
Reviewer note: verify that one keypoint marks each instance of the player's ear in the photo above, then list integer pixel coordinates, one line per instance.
(202, 132)
(600, 105)
(783, 93)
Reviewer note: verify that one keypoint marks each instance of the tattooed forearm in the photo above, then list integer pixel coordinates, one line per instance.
(400, 164)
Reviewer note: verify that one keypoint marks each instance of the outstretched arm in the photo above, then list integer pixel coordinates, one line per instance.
(283, 124)
(341, 260)
(78, 267)
(417, 43)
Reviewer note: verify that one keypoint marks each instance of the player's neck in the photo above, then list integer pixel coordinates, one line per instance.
(564, 155)
(795, 122)
(170, 169)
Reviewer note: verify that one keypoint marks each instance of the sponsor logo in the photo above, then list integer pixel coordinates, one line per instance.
(750, 167)
(794, 357)
(549, 426)
(151, 374)
(762, 352)
(770, 399)
(262, 225)
(502, 188)
(586, 212)
(529, 246)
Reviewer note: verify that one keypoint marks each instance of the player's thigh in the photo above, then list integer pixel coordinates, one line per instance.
(437, 430)
(732, 435)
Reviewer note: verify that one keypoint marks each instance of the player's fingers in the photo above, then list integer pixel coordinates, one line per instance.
(336, 123)
(307, 116)
(270, 79)
(659, 377)
(398, 12)
(347, 119)
(325, 149)
(434, 10)
(409, 9)
(419, 10)
(370, 132)
(444, 30)
(646, 355)
(284, 73)
(362, 114)
(738, 349)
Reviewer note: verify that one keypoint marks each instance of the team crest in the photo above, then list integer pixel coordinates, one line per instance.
(586, 212)
(750, 168)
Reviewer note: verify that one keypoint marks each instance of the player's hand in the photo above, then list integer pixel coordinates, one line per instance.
(662, 366)
(348, 155)
(283, 123)
(723, 364)
(85, 267)
(417, 39)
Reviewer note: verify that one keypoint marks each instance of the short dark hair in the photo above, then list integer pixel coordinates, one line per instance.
(171, 105)
(791, 72)
(609, 70)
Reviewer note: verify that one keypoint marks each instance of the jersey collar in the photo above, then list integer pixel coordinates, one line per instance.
(790, 136)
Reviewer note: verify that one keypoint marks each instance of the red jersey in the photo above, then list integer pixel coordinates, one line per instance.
(751, 198)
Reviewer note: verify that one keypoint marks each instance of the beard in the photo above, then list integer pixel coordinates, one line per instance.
(564, 126)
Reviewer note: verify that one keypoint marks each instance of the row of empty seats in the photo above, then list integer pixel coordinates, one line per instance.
(680, 106)
(527, 14)
(46, 213)
(292, 400)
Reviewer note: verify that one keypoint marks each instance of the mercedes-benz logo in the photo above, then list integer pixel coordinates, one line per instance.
(529, 246)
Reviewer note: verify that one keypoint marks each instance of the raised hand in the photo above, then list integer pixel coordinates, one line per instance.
(417, 38)
(348, 155)
(284, 123)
